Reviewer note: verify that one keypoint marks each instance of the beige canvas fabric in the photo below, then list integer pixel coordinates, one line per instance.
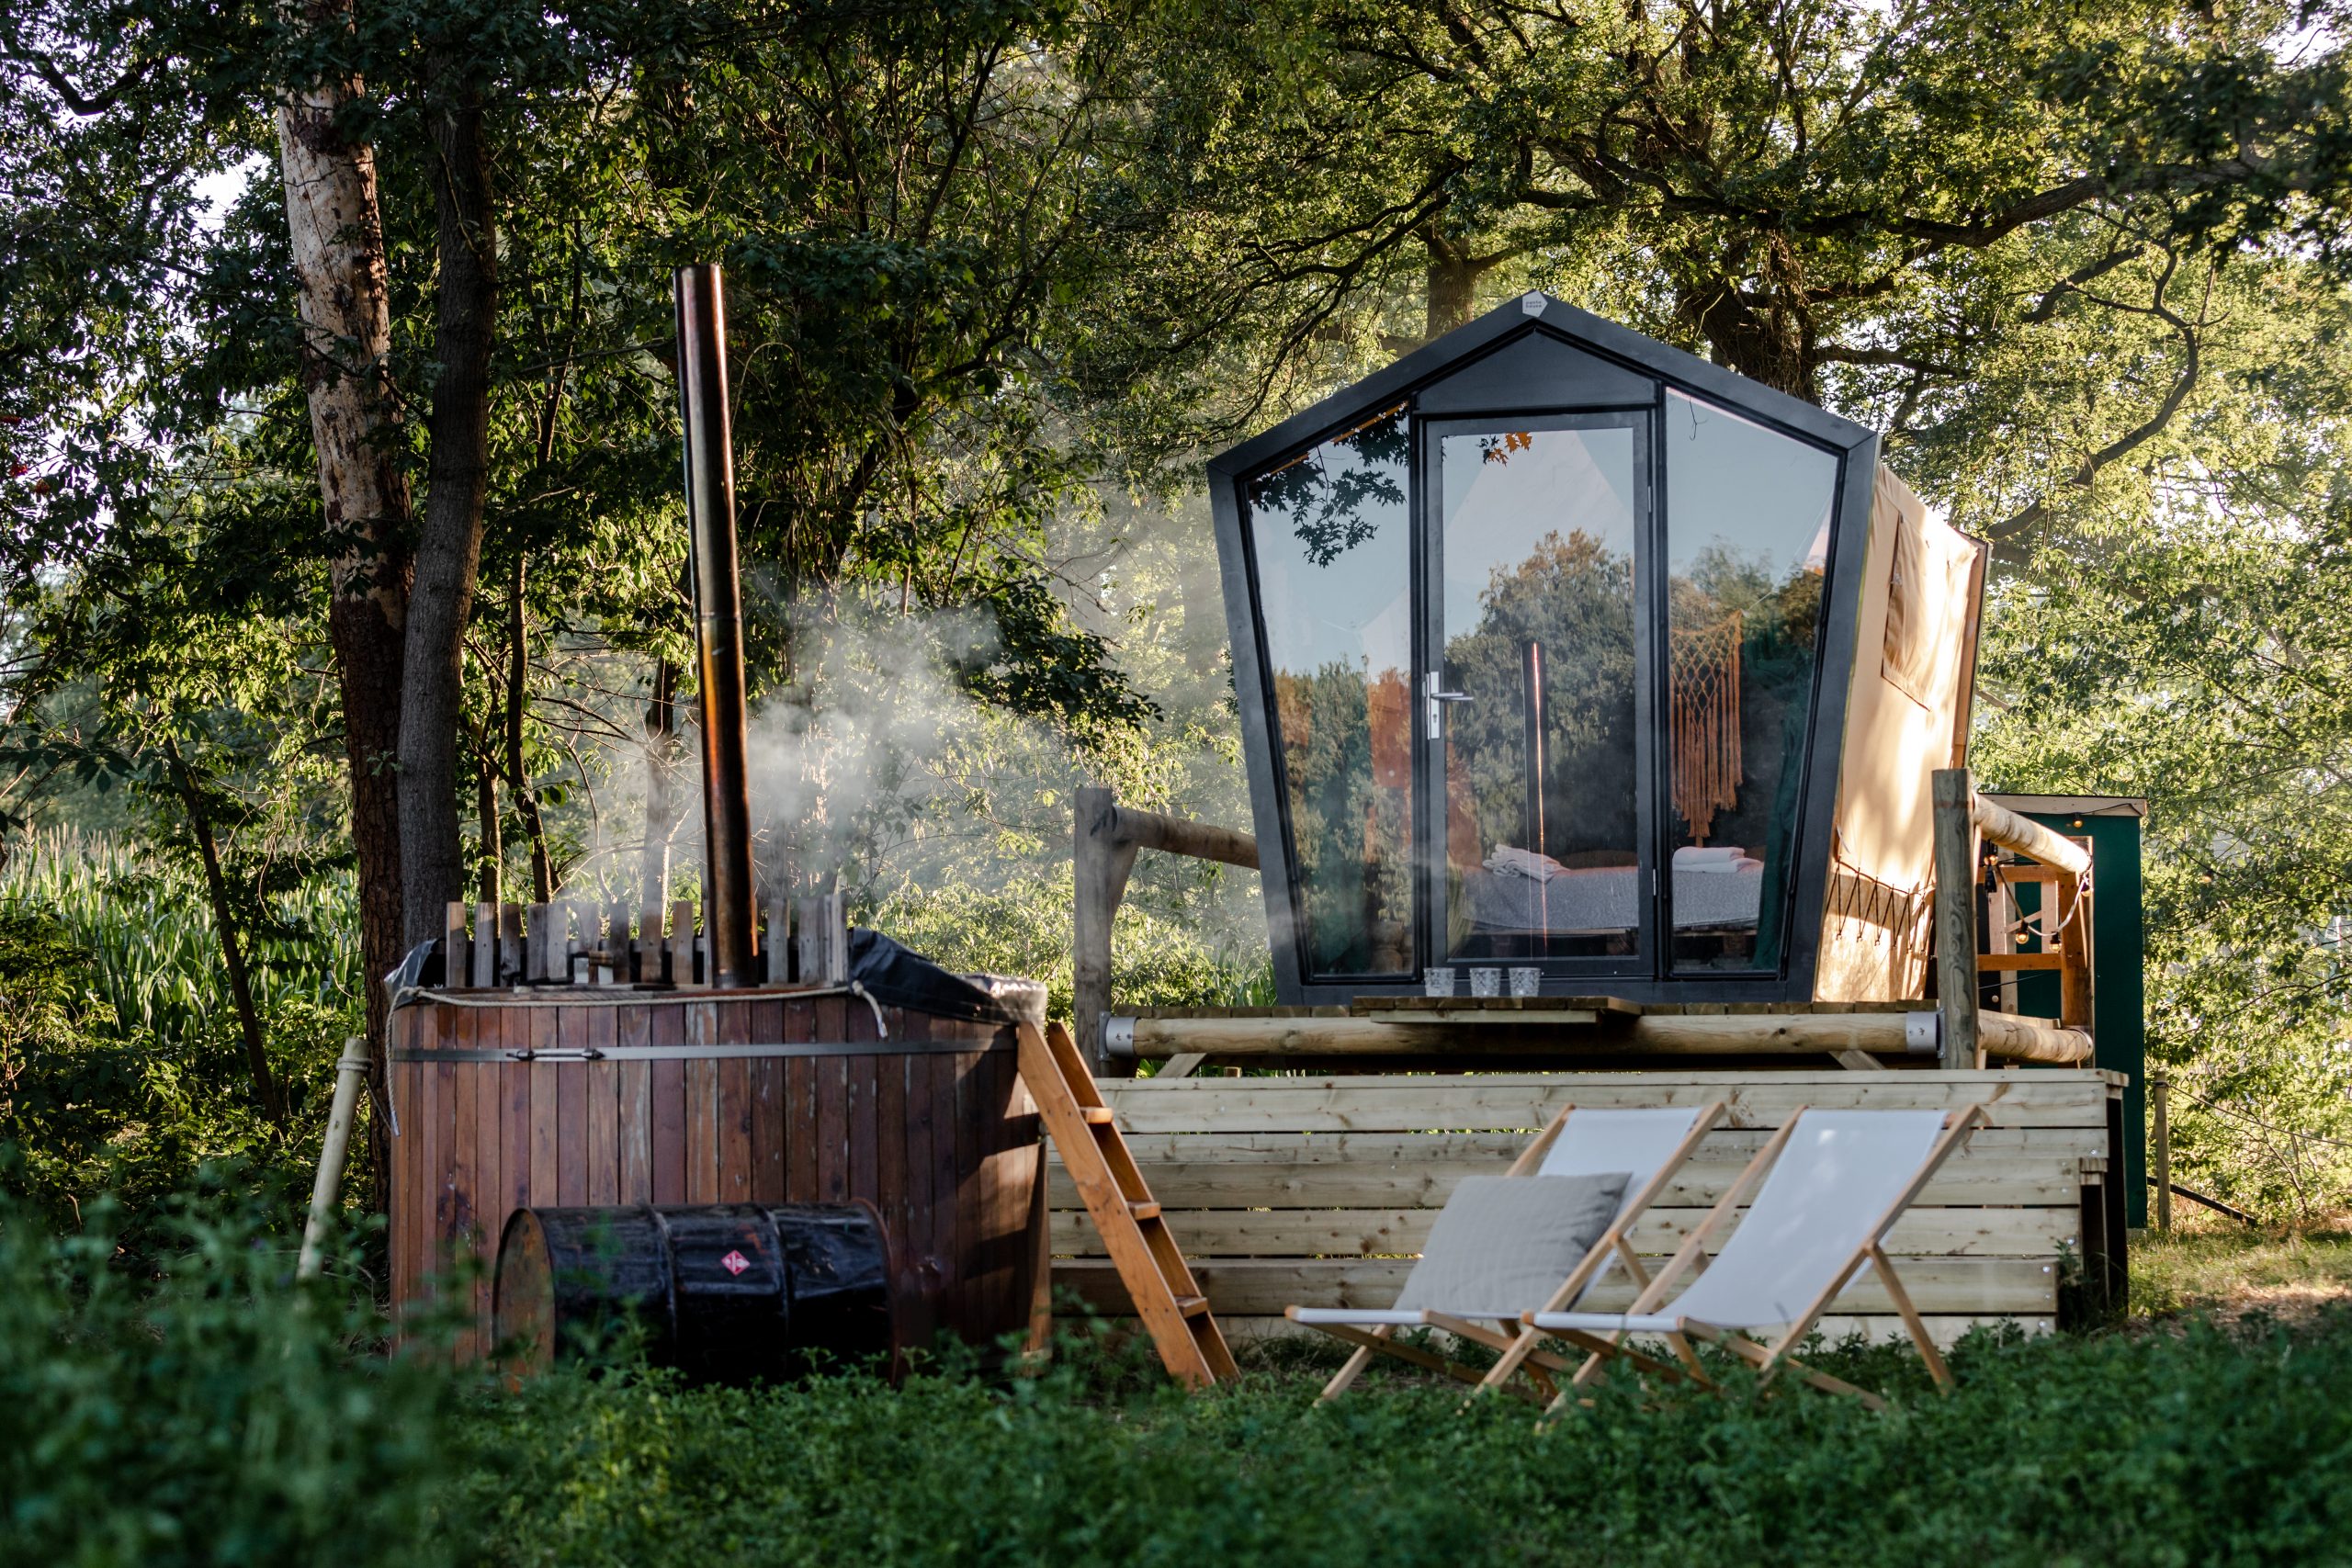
(1502, 1243)
(1903, 721)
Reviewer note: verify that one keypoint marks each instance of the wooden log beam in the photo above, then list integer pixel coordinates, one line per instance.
(2032, 1039)
(2011, 831)
(1179, 836)
(1690, 1034)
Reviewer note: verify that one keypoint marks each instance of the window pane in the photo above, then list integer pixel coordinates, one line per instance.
(1330, 534)
(1541, 843)
(1747, 542)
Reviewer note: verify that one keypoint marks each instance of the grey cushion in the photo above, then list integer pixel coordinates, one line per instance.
(1502, 1243)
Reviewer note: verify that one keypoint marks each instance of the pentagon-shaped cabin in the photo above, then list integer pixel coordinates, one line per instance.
(1561, 649)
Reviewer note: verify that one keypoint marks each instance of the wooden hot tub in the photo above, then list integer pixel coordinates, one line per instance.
(569, 1096)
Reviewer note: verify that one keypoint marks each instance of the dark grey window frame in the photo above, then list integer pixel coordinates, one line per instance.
(1857, 449)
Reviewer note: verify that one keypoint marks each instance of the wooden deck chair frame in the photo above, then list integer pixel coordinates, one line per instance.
(1773, 1359)
(1518, 1350)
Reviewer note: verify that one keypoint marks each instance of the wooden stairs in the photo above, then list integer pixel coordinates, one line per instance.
(1158, 1281)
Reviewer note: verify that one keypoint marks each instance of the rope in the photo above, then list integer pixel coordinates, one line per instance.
(1704, 718)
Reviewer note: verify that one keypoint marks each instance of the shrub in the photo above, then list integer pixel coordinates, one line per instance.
(2196, 1447)
(210, 1414)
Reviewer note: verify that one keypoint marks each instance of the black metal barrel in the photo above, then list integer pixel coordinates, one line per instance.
(726, 1294)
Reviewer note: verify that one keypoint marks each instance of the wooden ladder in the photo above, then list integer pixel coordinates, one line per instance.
(1157, 1279)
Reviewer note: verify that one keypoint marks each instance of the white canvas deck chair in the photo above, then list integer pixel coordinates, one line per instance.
(1833, 1182)
(1649, 1146)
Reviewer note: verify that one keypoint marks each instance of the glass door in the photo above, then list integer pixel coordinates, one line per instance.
(1533, 717)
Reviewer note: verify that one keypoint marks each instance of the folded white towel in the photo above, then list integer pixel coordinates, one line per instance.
(1715, 857)
(1523, 862)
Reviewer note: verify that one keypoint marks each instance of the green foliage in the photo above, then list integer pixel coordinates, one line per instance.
(155, 956)
(210, 1415)
(2156, 1448)
(122, 1070)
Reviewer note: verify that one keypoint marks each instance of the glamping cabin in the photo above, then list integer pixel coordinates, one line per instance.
(1559, 649)
(1606, 717)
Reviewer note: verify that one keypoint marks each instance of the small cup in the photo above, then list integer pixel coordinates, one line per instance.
(1437, 982)
(1526, 982)
(1485, 982)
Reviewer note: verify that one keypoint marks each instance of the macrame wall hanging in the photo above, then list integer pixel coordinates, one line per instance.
(1706, 719)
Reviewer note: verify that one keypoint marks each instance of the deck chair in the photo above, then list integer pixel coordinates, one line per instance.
(1651, 1146)
(1832, 1185)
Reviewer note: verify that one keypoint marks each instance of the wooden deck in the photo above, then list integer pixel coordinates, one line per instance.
(1318, 1191)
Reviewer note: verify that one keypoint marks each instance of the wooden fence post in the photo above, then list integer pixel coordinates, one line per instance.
(2160, 1095)
(1101, 862)
(1955, 837)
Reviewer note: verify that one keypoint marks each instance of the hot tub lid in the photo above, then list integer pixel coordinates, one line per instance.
(899, 976)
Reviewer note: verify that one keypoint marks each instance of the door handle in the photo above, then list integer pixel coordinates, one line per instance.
(1434, 699)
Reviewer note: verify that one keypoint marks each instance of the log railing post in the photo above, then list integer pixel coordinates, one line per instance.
(2160, 1101)
(1099, 865)
(1955, 845)
(1103, 854)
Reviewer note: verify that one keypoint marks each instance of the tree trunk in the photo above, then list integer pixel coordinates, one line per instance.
(660, 773)
(518, 783)
(232, 954)
(449, 547)
(337, 233)
(1452, 279)
(489, 848)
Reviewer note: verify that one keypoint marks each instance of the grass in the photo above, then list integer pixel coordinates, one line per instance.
(2228, 1271)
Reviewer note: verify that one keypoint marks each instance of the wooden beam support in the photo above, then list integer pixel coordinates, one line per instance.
(1107, 839)
(2011, 831)
(1955, 915)
(1665, 1035)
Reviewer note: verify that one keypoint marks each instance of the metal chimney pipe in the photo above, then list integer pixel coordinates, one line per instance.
(718, 625)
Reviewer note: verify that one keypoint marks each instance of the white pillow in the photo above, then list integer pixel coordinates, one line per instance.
(1502, 1243)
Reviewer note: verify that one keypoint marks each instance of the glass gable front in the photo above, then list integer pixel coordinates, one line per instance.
(1540, 686)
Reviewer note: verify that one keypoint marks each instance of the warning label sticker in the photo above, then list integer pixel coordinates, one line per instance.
(734, 1263)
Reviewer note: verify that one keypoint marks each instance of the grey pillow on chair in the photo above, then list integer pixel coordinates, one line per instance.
(1502, 1243)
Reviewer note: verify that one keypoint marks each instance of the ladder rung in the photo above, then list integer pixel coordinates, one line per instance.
(1192, 1306)
(1094, 1116)
(1146, 1210)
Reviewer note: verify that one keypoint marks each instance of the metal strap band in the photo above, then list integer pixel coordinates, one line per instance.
(710, 1053)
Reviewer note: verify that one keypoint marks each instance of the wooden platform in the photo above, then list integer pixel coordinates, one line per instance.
(1319, 1190)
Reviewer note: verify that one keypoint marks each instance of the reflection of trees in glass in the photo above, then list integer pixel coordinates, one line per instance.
(1346, 761)
(1331, 496)
(1575, 595)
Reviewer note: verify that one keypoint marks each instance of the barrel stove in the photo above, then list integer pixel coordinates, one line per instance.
(566, 1096)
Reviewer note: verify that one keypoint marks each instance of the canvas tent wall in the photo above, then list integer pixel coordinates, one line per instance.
(1906, 714)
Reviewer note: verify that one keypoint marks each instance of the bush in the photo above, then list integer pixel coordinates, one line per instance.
(211, 1414)
(2155, 1448)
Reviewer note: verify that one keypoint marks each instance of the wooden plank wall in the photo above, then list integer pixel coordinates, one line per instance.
(1319, 1190)
(944, 1144)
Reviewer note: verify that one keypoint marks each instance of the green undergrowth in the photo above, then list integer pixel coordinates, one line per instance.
(206, 1410)
(2209, 1446)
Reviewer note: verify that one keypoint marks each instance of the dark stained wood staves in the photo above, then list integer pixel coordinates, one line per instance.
(944, 1144)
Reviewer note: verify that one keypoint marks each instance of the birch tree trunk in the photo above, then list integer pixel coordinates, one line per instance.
(337, 233)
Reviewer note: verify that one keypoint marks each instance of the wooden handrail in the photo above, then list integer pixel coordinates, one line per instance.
(1968, 1032)
(1108, 838)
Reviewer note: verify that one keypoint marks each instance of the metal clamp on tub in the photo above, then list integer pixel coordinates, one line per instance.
(556, 1054)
